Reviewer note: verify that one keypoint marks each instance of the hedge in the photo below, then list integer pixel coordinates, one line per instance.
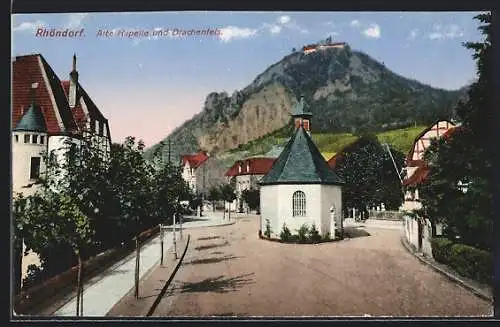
(466, 260)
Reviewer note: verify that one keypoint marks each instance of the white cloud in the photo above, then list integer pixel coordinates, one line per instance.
(75, 20)
(355, 23)
(275, 29)
(439, 32)
(373, 31)
(230, 33)
(284, 19)
(28, 26)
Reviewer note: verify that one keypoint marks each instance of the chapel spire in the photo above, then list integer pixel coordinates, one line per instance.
(301, 117)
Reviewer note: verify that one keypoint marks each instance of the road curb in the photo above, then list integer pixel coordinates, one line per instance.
(169, 281)
(476, 291)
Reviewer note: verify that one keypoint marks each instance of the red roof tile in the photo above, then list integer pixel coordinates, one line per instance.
(51, 96)
(256, 166)
(194, 160)
(418, 176)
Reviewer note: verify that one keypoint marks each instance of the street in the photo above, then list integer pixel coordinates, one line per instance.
(229, 271)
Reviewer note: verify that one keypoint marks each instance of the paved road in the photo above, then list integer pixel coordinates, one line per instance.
(229, 271)
(104, 291)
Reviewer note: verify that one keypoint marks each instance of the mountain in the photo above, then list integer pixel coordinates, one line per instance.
(346, 90)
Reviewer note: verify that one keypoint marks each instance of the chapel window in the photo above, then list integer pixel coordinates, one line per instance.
(299, 204)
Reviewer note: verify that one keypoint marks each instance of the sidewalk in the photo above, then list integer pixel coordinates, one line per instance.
(481, 290)
(152, 287)
(102, 292)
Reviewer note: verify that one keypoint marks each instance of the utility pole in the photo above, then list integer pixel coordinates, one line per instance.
(175, 242)
(395, 166)
(169, 143)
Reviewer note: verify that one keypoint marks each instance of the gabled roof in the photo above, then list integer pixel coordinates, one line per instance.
(32, 121)
(419, 136)
(195, 160)
(256, 165)
(301, 163)
(49, 95)
(78, 111)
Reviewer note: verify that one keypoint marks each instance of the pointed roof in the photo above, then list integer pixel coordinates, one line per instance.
(32, 121)
(298, 109)
(301, 163)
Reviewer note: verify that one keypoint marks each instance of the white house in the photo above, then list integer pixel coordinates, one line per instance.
(301, 188)
(45, 113)
(419, 232)
(246, 174)
(194, 170)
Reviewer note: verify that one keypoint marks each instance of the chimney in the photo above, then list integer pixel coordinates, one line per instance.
(73, 84)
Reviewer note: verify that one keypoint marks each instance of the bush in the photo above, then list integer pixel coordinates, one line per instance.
(441, 249)
(285, 234)
(268, 230)
(314, 235)
(303, 233)
(466, 260)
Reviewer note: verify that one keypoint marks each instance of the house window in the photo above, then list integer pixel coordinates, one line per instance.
(26, 138)
(42, 139)
(35, 168)
(97, 127)
(34, 139)
(17, 137)
(299, 204)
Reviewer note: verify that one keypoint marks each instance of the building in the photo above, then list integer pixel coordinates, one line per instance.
(416, 170)
(194, 170)
(318, 47)
(46, 112)
(246, 174)
(301, 188)
(418, 232)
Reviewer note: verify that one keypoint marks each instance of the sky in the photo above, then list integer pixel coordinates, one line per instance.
(147, 85)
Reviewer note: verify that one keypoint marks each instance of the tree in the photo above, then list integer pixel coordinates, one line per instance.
(465, 158)
(214, 195)
(251, 198)
(132, 180)
(369, 174)
(54, 218)
(227, 194)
